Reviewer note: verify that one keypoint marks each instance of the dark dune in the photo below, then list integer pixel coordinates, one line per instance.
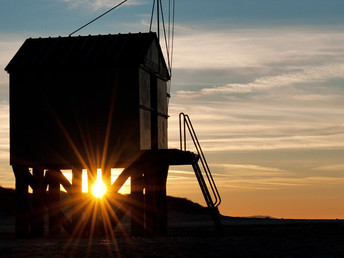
(190, 234)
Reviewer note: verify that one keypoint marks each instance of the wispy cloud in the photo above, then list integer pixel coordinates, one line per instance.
(308, 75)
(238, 48)
(278, 183)
(99, 4)
(262, 89)
(248, 125)
(249, 177)
(272, 143)
(334, 167)
(249, 167)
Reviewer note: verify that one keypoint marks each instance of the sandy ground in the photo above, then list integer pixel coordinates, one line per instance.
(193, 237)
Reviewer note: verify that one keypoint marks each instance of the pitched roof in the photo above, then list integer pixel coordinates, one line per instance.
(84, 51)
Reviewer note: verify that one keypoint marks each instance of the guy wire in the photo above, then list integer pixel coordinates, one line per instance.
(98, 17)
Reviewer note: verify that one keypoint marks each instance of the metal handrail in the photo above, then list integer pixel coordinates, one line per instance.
(185, 122)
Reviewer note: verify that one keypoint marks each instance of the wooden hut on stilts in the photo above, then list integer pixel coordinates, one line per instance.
(89, 104)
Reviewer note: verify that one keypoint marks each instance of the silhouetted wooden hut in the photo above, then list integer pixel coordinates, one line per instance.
(84, 103)
(93, 102)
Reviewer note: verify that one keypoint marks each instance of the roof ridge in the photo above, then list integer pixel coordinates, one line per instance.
(89, 52)
(94, 35)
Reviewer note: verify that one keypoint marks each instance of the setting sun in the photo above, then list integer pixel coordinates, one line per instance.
(98, 189)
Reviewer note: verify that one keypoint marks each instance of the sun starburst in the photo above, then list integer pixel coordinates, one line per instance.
(98, 189)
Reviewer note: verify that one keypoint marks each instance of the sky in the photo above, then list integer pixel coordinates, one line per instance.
(262, 81)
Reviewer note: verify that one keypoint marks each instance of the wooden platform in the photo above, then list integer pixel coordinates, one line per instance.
(169, 156)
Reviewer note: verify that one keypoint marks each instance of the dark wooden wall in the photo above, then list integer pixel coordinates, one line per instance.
(60, 118)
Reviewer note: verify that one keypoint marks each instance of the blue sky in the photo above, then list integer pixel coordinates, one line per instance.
(263, 82)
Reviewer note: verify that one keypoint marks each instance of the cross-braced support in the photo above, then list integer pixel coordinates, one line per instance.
(80, 215)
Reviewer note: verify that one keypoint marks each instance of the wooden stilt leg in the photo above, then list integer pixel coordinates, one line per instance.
(37, 220)
(156, 212)
(150, 206)
(54, 204)
(137, 204)
(77, 197)
(91, 226)
(22, 226)
(161, 226)
(104, 227)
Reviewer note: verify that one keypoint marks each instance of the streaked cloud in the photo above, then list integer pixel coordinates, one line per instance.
(238, 48)
(277, 89)
(308, 75)
(248, 167)
(278, 183)
(99, 4)
(252, 178)
(334, 167)
(248, 125)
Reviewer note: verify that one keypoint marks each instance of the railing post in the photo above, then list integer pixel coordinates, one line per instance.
(180, 132)
(184, 121)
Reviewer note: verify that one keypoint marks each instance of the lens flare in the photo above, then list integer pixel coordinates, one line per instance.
(98, 189)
